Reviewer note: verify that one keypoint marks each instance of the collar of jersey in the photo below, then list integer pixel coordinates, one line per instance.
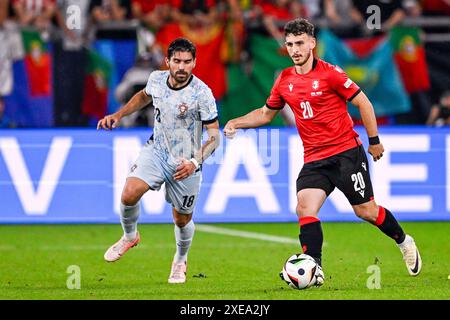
(312, 68)
(176, 89)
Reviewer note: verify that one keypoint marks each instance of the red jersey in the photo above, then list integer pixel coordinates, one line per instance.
(319, 102)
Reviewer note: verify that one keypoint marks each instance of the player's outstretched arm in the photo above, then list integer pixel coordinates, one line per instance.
(369, 120)
(137, 102)
(254, 119)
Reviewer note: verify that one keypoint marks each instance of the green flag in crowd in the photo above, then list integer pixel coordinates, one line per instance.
(249, 90)
(374, 71)
(37, 64)
(409, 55)
(96, 86)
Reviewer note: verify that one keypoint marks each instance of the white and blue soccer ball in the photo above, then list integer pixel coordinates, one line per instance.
(301, 271)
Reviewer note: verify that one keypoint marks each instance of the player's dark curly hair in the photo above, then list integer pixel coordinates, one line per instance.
(181, 44)
(298, 27)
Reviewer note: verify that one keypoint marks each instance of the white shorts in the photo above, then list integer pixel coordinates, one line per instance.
(153, 170)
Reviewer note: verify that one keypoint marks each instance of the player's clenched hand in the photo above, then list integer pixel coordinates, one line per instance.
(109, 122)
(376, 150)
(184, 170)
(229, 131)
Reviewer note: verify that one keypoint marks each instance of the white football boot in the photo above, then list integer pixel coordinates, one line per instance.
(411, 255)
(320, 277)
(118, 249)
(178, 272)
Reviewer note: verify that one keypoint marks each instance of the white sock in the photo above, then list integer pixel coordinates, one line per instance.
(128, 218)
(183, 238)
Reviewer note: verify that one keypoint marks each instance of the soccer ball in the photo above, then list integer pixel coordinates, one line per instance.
(300, 271)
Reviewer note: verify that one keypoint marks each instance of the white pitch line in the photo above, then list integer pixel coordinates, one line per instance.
(243, 234)
(247, 234)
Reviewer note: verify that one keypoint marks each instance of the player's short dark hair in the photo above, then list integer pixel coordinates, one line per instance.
(181, 44)
(298, 27)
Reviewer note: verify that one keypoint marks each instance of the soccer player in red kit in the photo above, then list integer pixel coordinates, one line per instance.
(317, 92)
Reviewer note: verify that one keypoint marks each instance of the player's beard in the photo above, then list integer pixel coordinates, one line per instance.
(180, 77)
(301, 63)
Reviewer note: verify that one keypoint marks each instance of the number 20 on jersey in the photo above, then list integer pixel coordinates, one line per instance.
(307, 110)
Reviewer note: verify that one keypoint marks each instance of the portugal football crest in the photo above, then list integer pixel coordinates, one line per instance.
(183, 108)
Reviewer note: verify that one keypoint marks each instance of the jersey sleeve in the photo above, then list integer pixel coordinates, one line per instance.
(275, 101)
(342, 84)
(207, 106)
(148, 88)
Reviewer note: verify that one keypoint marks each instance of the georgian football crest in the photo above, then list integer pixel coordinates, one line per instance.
(291, 86)
(183, 108)
(315, 84)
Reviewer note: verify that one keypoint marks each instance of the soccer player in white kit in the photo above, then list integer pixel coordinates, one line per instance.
(174, 153)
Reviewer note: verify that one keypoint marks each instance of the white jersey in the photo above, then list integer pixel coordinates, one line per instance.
(179, 114)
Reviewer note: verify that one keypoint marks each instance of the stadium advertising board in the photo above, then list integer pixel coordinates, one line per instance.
(76, 176)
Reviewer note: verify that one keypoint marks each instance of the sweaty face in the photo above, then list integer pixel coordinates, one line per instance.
(180, 66)
(300, 47)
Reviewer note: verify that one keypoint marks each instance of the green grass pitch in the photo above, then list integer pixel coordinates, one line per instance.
(35, 259)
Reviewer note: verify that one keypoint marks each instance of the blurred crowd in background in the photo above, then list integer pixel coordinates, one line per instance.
(56, 56)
